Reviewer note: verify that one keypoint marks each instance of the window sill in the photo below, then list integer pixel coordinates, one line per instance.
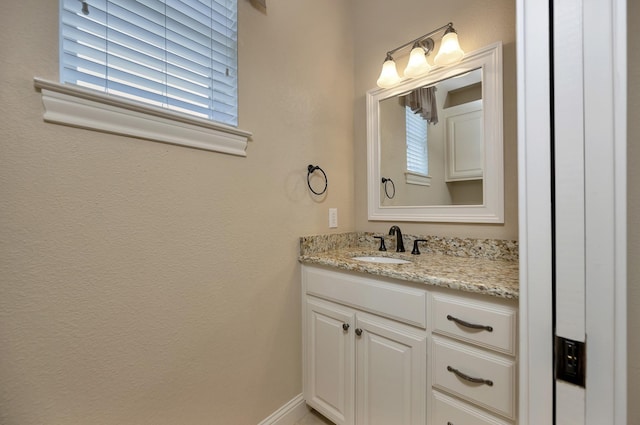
(77, 107)
(417, 178)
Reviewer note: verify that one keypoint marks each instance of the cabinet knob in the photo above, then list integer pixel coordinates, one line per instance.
(345, 326)
(358, 331)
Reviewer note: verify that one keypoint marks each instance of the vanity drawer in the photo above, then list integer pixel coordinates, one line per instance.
(396, 301)
(487, 324)
(450, 411)
(452, 362)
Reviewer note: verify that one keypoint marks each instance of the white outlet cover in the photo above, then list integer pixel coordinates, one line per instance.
(333, 218)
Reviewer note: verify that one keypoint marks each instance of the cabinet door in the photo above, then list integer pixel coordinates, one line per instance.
(391, 372)
(329, 366)
(479, 376)
(464, 148)
(448, 410)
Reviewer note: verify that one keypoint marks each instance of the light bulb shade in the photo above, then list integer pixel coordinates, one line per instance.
(450, 51)
(418, 64)
(389, 75)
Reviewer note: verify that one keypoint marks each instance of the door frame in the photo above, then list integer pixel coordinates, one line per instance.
(534, 213)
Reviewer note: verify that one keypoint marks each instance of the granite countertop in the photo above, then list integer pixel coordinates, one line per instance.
(489, 274)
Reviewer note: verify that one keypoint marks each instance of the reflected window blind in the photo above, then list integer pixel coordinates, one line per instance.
(417, 153)
(176, 54)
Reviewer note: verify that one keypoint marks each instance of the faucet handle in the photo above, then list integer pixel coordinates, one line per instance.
(415, 250)
(382, 245)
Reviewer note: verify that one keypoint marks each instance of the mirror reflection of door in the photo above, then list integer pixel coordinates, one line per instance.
(434, 157)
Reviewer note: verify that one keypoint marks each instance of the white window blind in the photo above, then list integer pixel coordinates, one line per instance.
(176, 54)
(417, 153)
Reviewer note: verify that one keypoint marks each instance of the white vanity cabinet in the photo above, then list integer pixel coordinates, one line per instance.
(473, 368)
(362, 364)
(384, 351)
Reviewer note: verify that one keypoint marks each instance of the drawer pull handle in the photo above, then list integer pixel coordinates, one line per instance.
(469, 325)
(470, 378)
(358, 331)
(345, 326)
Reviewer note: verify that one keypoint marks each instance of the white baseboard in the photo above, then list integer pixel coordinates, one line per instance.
(288, 414)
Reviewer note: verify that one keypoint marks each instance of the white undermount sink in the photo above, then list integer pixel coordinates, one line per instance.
(383, 260)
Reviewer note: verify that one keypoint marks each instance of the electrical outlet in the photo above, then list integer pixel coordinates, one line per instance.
(333, 218)
(570, 361)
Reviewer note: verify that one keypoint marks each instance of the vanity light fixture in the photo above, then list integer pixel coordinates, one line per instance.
(389, 76)
(449, 53)
(418, 64)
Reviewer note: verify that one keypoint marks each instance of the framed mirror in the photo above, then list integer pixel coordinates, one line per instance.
(434, 144)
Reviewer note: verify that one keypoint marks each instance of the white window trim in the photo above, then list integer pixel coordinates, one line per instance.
(417, 178)
(71, 105)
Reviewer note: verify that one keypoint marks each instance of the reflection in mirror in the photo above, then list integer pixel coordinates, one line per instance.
(431, 143)
(438, 138)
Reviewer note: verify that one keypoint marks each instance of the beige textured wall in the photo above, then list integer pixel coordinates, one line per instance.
(382, 25)
(633, 211)
(144, 283)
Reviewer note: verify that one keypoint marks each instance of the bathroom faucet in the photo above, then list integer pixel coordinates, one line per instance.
(395, 230)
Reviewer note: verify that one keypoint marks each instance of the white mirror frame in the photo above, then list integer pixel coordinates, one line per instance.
(492, 210)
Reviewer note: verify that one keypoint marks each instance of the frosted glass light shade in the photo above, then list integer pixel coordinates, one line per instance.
(389, 76)
(450, 51)
(418, 64)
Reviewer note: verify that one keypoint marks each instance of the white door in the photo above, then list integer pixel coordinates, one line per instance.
(590, 110)
(569, 171)
(391, 382)
(577, 220)
(329, 380)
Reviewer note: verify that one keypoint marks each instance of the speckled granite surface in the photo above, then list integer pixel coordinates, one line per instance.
(474, 265)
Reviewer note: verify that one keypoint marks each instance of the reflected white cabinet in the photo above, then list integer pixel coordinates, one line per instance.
(362, 368)
(464, 148)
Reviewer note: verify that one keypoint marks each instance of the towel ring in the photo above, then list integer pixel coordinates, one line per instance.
(386, 192)
(310, 170)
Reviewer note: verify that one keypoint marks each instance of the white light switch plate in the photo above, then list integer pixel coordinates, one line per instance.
(333, 218)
